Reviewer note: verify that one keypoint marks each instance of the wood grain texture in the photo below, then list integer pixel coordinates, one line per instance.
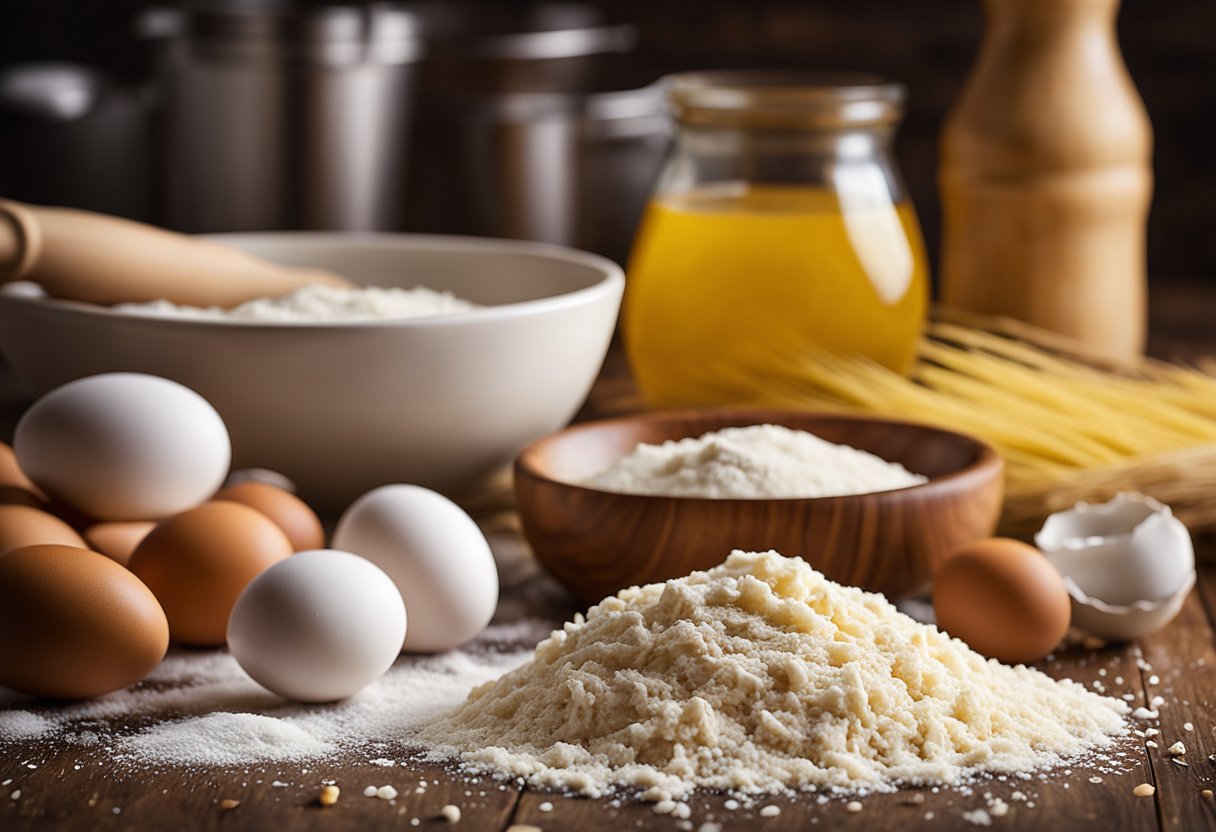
(888, 542)
(1182, 660)
(1107, 802)
(77, 789)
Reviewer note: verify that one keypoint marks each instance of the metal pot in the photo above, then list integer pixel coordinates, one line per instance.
(534, 124)
(280, 115)
(568, 168)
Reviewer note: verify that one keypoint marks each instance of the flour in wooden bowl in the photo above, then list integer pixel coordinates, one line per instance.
(761, 675)
(753, 462)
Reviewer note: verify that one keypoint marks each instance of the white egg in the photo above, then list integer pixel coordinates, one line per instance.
(437, 556)
(319, 626)
(124, 446)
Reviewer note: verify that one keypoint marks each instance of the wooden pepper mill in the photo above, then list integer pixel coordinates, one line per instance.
(1046, 177)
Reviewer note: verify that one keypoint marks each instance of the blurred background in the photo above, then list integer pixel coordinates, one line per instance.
(506, 119)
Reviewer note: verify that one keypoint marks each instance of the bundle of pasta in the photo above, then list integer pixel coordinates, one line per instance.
(1070, 425)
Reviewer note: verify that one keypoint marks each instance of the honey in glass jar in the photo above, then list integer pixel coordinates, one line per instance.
(778, 227)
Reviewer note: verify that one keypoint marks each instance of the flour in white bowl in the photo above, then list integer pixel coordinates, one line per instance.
(317, 303)
(753, 462)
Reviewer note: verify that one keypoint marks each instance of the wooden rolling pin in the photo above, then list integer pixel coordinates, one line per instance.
(79, 255)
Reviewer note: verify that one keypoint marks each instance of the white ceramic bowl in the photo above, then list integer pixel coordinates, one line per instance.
(341, 408)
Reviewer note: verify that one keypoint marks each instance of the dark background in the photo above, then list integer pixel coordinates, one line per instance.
(1169, 45)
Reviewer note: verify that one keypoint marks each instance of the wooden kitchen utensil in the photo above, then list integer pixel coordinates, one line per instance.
(1046, 177)
(80, 255)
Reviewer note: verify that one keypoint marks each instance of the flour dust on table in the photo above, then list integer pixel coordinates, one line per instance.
(200, 708)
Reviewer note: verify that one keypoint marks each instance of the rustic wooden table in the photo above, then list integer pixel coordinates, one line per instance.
(45, 787)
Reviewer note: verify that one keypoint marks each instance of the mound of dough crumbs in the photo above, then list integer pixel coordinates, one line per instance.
(761, 675)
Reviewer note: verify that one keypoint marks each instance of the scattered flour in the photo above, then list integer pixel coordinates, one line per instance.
(978, 817)
(229, 736)
(22, 725)
(754, 462)
(221, 717)
(760, 676)
(321, 304)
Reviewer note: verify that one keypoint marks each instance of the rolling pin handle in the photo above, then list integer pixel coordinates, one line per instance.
(20, 241)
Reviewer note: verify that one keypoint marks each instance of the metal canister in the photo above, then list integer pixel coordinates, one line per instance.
(281, 115)
(571, 168)
(534, 122)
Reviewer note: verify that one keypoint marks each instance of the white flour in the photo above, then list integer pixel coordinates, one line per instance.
(195, 697)
(758, 676)
(761, 675)
(229, 735)
(759, 461)
(207, 711)
(321, 304)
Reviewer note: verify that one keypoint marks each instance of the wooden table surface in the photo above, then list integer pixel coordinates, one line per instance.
(45, 787)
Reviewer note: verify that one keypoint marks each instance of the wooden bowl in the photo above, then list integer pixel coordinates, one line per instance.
(598, 542)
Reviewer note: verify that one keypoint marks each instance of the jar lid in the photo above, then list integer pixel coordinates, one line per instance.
(776, 99)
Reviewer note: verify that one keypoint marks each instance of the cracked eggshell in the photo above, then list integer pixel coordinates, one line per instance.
(1124, 623)
(1128, 564)
(1124, 551)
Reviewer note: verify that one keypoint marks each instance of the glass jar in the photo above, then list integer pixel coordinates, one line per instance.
(778, 231)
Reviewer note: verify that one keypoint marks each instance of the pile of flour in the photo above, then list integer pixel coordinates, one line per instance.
(320, 304)
(755, 462)
(761, 675)
(757, 676)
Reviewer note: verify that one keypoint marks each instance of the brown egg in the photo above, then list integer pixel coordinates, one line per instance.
(118, 540)
(197, 563)
(15, 487)
(291, 514)
(27, 526)
(11, 473)
(12, 495)
(1004, 599)
(75, 624)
